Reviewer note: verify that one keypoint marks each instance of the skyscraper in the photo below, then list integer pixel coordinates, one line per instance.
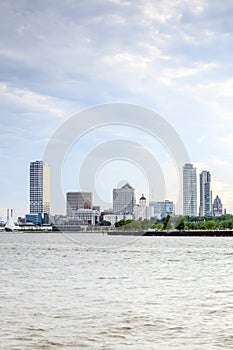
(123, 200)
(205, 194)
(217, 206)
(39, 187)
(189, 190)
(77, 200)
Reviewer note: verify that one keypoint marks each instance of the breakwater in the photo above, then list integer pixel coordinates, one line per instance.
(200, 233)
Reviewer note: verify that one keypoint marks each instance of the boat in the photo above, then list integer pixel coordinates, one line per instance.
(10, 226)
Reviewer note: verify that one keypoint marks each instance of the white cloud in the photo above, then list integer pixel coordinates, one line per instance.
(226, 142)
(121, 2)
(222, 88)
(184, 71)
(220, 162)
(201, 139)
(30, 99)
(130, 61)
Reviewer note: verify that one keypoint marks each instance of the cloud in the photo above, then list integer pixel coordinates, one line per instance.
(81, 49)
(226, 142)
(30, 99)
(220, 162)
(174, 57)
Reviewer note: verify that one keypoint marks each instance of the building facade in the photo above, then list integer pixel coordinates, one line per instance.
(123, 200)
(39, 188)
(113, 218)
(142, 211)
(189, 190)
(162, 208)
(205, 194)
(217, 207)
(36, 219)
(76, 201)
(87, 216)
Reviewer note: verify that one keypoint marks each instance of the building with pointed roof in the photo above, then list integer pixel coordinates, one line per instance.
(217, 206)
(123, 200)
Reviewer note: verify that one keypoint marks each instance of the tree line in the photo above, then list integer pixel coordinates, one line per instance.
(178, 222)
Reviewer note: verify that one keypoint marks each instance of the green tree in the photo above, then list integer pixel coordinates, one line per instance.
(167, 223)
(105, 223)
(158, 226)
(179, 223)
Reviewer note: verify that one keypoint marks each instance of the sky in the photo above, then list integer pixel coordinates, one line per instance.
(58, 58)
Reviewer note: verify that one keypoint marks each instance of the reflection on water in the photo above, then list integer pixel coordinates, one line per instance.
(154, 293)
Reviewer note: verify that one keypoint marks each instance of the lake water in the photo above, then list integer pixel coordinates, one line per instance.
(105, 292)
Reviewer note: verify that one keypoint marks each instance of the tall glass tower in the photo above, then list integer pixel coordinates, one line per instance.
(39, 187)
(189, 190)
(205, 194)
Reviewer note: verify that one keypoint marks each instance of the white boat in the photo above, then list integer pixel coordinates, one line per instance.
(10, 226)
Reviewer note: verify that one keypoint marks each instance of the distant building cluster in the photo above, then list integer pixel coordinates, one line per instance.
(207, 207)
(81, 211)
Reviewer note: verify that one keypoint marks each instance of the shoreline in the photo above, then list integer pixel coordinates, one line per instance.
(197, 233)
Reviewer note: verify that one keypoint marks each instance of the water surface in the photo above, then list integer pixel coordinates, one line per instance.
(94, 292)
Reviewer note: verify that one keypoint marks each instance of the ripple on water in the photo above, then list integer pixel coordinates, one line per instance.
(160, 294)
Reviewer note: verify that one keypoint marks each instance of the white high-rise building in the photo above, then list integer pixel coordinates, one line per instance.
(39, 187)
(205, 194)
(189, 190)
(123, 200)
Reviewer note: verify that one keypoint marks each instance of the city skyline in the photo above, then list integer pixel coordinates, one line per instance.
(124, 197)
(162, 56)
(123, 200)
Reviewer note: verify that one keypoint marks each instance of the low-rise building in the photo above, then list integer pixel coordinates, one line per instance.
(163, 208)
(113, 218)
(87, 216)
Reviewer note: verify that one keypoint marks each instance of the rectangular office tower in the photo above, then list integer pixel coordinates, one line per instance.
(205, 194)
(124, 200)
(39, 188)
(77, 200)
(189, 190)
